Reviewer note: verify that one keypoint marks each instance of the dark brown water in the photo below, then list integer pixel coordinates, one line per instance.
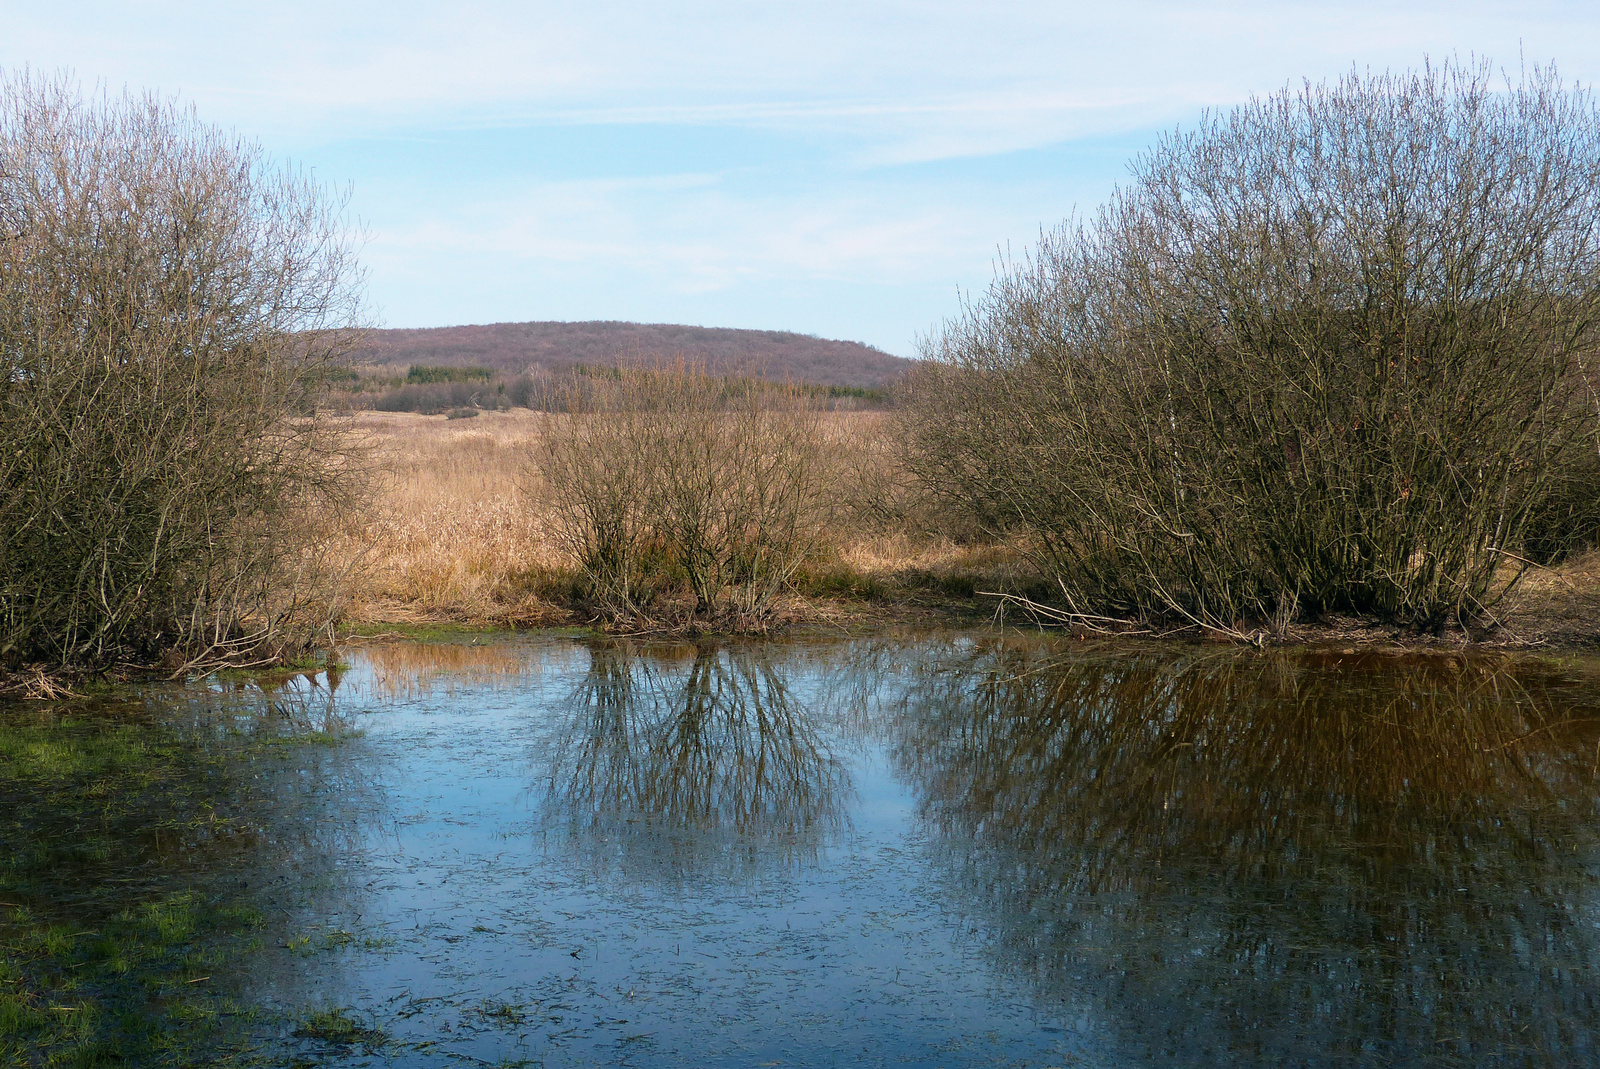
(943, 852)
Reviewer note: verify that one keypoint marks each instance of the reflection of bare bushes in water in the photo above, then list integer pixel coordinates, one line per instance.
(1226, 753)
(262, 727)
(1292, 856)
(707, 766)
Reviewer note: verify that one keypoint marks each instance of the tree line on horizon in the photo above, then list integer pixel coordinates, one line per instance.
(512, 348)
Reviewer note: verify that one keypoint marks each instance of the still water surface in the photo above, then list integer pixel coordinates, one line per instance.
(945, 851)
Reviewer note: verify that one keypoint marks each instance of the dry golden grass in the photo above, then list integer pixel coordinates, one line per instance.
(456, 532)
(1557, 606)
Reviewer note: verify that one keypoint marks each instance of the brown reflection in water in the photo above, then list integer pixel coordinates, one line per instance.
(690, 762)
(1276, 859)
(402, 670)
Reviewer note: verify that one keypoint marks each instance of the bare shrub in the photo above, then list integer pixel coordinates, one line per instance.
(524, 392)
(671, 479)
(169, 300)
(1321, 354)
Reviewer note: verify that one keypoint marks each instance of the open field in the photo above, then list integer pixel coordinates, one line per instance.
(457, 532)
(463, 532)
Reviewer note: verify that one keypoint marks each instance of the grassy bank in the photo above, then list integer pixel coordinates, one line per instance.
(464, 533)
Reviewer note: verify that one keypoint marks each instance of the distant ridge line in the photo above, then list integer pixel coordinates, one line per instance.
(518, 347)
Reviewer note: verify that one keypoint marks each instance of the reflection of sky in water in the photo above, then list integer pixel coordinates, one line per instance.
(950, 853)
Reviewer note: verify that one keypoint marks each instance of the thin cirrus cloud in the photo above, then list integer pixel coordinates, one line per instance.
(835, 167)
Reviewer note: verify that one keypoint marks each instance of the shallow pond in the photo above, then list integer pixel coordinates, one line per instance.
(944, 851)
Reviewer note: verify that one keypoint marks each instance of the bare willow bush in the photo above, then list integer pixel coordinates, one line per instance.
(671, 480)
(168, 300)
(1325, 352)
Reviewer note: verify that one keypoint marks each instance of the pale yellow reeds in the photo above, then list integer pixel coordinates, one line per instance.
(457, 531)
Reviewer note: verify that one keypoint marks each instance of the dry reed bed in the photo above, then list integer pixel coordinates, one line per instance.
(457, 531)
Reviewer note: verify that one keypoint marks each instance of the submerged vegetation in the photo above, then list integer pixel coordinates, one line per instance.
(108, 940)
(143, 841)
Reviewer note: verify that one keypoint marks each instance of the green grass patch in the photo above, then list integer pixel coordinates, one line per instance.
(837, 580)
(313, 738)
(449, 632)
(338, 1027)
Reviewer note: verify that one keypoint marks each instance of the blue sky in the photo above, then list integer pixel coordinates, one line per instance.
(842, 169)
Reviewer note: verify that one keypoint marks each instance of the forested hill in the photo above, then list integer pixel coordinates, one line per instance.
(519, 347)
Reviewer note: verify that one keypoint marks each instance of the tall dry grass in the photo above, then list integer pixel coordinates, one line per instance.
(458, 530)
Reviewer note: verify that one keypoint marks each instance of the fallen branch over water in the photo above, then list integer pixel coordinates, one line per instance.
(1054, 615)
